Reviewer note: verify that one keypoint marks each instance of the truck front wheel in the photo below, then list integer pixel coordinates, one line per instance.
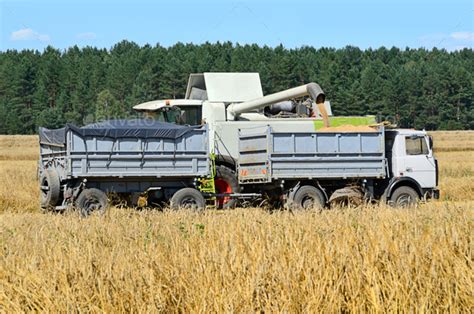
(404, 196)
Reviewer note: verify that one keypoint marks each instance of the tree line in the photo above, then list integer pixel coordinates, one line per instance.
(431, 89)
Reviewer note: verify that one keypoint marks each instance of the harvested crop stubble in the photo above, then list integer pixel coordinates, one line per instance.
(372, 259)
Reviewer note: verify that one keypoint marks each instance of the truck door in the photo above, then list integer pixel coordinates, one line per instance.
(418, 162)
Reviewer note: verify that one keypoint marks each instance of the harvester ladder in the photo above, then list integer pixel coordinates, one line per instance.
(208, 186)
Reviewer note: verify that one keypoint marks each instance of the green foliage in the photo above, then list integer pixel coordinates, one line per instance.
(412, 87)
(107, 106)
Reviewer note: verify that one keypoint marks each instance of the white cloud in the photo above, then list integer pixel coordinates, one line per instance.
(28, 34)
(451, 42)
(86, 36)
(457, 48)
(465, 36)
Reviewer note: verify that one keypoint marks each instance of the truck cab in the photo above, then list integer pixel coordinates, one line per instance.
(411, 161)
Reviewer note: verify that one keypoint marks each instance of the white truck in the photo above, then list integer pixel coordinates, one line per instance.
(287, 145)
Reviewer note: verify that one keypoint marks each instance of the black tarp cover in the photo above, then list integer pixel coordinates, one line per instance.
(136, 128)
(54, 137)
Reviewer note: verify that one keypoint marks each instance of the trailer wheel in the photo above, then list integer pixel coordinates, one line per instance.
(92, 201)
(307, 197)
(188, 198)
(226, 182)
(50, 189)
(404, 196)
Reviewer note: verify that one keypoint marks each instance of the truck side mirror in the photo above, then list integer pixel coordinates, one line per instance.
(430, 146)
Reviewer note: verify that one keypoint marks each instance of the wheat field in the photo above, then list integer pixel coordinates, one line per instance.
(366, 259)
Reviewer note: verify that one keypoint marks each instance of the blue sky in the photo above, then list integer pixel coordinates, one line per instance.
(37, 24)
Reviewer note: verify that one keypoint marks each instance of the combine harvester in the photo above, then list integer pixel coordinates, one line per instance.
(226, 141)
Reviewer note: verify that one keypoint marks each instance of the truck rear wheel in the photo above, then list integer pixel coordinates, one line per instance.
(404, 196)
(92, 201)
(188, 198)
(307, 197)
(50, 189)
(226, 182)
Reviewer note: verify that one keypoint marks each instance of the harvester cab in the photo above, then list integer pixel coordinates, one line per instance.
(179, 111)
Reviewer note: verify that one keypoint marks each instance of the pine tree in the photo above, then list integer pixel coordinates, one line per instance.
(107, 107)
(432, 89)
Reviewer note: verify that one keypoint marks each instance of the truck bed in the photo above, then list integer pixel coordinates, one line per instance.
(102, 151)
(265, 155)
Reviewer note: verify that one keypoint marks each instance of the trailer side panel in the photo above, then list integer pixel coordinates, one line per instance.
(311, 155)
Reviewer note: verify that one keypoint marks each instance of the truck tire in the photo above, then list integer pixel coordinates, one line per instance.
(307, 197)
(50, 189)
(404, 196)
(226, 182)
(92, 201)
(188, 198)
(347, 196)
